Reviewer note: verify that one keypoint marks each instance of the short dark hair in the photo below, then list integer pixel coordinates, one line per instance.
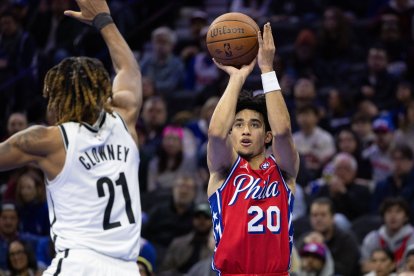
(325, 201)
(257, 103)
(387, 252)
(405, 150)
(394, 201)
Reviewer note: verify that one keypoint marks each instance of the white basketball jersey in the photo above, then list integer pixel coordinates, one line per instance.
(94, 202)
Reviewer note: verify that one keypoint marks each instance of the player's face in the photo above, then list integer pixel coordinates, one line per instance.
(248, 134)
(321, 218)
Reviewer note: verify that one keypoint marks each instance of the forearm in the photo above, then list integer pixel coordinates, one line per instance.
(278, 114)
(223, 116)
(121, 55)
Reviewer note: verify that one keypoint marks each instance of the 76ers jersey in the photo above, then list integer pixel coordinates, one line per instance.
(252, 216)
(94, 202)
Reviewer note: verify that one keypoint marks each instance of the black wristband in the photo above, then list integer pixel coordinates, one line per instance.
(101, 20)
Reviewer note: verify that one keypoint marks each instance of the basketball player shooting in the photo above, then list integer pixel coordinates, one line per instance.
(251, 195)
(90, 158)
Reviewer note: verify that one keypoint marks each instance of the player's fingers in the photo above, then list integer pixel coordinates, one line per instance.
(76, 15)
(219, 65)
(268, 34)
(260, 39)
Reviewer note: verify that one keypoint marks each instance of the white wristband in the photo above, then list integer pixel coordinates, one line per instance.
(270, 82)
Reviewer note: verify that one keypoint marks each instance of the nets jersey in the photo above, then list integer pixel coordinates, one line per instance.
(252, 216)
(94, 202)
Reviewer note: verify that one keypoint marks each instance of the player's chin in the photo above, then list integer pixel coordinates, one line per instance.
(245, 154)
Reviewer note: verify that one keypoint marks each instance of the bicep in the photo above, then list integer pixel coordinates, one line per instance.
(220, 154)
(127, 95)
(11, 156)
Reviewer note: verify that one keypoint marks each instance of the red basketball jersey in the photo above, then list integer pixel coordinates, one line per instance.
(252, 216)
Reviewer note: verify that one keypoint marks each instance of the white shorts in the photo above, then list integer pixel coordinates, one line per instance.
(84, 262)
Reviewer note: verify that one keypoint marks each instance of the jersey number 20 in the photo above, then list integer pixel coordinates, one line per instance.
(255, 225)
(101, 193)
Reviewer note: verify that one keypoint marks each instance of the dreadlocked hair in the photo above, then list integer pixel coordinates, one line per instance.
(247, 100)
(77, 89)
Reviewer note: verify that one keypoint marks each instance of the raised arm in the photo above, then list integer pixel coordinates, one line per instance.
(127, 87)
(282, 145)
(220, 153)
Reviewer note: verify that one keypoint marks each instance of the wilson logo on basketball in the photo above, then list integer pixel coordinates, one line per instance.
(225, 30)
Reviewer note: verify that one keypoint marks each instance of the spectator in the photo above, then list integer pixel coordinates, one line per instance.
(383, 263)
(313, 143)
(169, 161)
(54, 33)
(376, 84)
(17, 121)
(395, 234)
(349, 198)
(403, 97)
(187, 250)
(362, 126)
(338, 111)
(201, 70)
(9, 222)
(21, 259)
(17, 54)
(166, 69)
(409, 259)
(31, 203)
(400, 183)
(173, 218)
(304, 62)
(342, 245)
(154, 117)
(405, 134)
(315, 260)
(379, 152)
(203, 267)
(391, 37)
(347, 141)
(404, 10)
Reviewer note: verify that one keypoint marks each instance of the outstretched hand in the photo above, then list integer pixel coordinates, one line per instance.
(88, 10)
(244, 71)
(267, 49)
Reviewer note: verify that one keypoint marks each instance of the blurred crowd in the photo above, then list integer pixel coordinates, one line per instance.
(346, 69)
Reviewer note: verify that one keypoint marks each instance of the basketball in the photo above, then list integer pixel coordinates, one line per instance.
(232, 39)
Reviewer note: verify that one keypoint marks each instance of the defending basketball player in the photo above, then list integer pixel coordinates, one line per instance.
(90, 158)
(251, 195)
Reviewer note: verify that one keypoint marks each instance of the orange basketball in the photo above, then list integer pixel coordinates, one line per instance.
(232, 39)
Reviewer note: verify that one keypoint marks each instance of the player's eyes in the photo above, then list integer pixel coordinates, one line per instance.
(255, 125)
(238, 124)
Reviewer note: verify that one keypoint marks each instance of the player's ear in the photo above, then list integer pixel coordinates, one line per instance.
(268, 137)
